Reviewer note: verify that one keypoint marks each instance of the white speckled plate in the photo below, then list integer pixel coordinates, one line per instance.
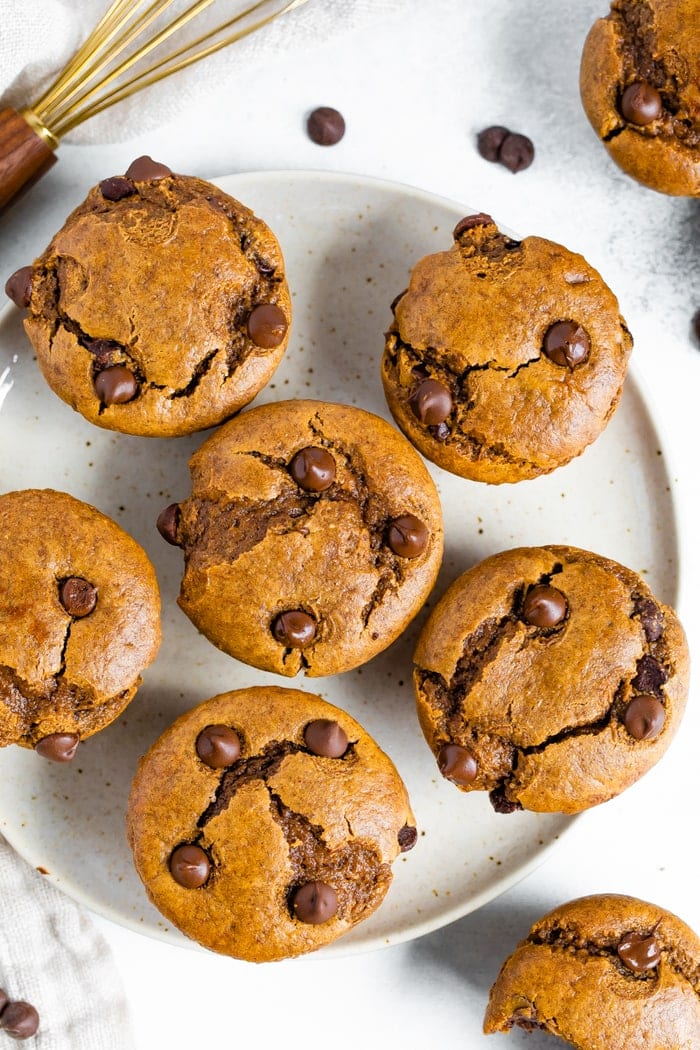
(349, 243)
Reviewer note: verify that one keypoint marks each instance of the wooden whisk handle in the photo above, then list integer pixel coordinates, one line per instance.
(24, 154)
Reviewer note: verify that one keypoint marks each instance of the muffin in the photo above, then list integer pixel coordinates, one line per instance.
(278, 827)
(635, 969)
(79, 621)
(640, 87)
(550, 677)
(160, 308)
(505, 358)
(312, 536)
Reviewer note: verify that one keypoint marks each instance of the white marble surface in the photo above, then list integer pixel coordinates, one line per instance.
(414, 90)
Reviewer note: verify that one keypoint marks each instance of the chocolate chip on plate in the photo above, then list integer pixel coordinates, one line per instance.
(408, 836)
(516, 153)
(189, 866)
(313, 469)
(218, 746)
(58, 747)
(641, 103)
(325, 126)
(315, 902)
(326, 738)
(544, 606)
(490, 140)
(267, 325)
(77, 596)
(294, 628)
(19, 1019)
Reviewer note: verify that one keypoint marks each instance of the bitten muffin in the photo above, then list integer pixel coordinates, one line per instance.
(550, 677)
(312, 536)
(160, 308)
(264, 823)
(505, 358)
(79, 620)
(635, 969)
(640, 87)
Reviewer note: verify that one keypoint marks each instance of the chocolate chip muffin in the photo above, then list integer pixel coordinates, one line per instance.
(160, 308)
(640, 86)
(278, 827)
(79, 620)
(505, 358)
(550, 677)
(312, 536)
(635, 969)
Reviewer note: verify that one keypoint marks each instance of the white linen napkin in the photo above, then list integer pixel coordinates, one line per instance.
(52, 956)
(38, 38)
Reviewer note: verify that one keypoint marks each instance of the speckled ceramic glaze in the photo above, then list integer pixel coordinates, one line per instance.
(349, 244)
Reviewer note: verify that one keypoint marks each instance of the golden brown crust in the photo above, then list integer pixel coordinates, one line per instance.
(543, 709)
(474, 319)
(613, 1008)
(162, 282)
(655, 41)
(58, 673)
(287, 817)
(257, 545)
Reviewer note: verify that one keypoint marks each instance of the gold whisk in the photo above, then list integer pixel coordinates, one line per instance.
(122, 55)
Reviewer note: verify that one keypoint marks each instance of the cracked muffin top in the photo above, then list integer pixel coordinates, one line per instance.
(279, 826)
(161, 307)
(79, 620)
(640, 87)
(635, 968)
(312, 536)
(505, 358)
(550, 677)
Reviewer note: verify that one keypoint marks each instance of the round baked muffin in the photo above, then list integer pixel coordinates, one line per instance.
(312, 536)
(505, 358)
(550, 677)
(278, 827)
(640, 87)
(635, 969)
(161, 306)
(79, 620)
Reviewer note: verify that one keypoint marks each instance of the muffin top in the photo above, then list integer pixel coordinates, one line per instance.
(161, 307)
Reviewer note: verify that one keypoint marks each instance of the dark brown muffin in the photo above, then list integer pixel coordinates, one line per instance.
(505, 358)
(79, 620)
(640, 87)
(161, 307)
(277, 831)
(550, 677)
(606, 972)
(312, 536)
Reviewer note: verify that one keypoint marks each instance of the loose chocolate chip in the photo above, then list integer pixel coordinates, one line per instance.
(117, 187)
(408, 836)
(19, 1020)
(313, 469)
(696, 325)
(641, 103)
(407, 536)
(218, 746)
(294, 628)
(18, 287)
(267, 325)
(315, 902)
(544, 606)
(644, 717)
(189, 866)
(77, 596)
(116, 385)
(490, 140)
(431, 402)
(326, 738)
(167, 523)
(457, 764)
(58, 747)
(639, 953)
(470, 221)
(567, 344)
(4, 999)
(650, 675)
(516, 153)
(145, 169)
(325, 126)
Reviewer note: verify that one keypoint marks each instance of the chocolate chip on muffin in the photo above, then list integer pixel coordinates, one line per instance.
(285, 841)
(312, 536)
(634, 967)
(640, 70)
(551, 678)
(505, 358)
(161, 307)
